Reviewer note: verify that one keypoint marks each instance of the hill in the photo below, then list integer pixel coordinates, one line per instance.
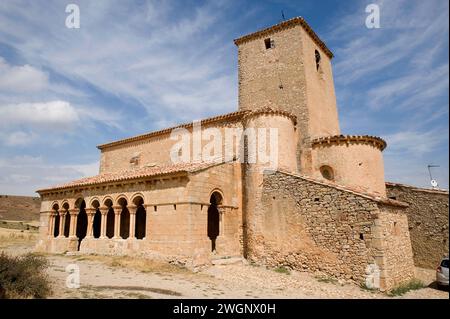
(22, 208)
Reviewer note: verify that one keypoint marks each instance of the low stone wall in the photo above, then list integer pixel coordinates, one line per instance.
(315, 227)
(428, 221)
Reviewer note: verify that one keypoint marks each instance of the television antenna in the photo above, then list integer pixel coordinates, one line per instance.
(433, 182)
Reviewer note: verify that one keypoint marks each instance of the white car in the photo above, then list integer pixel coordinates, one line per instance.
(442, 273)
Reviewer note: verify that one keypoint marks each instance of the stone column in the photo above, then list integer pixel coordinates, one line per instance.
(62, 222)
(117, 211)
(51, 223)
(104, 212)
(90, 215)
(73, 222)
(132, 209)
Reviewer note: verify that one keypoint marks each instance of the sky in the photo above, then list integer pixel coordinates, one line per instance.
(138, 66)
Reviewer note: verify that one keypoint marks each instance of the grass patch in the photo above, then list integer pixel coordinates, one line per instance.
(414, 284)
(24, 276)
(327, 280)
(364, 287)
(282, 270)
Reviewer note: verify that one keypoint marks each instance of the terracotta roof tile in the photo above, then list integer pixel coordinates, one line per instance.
(132, 174)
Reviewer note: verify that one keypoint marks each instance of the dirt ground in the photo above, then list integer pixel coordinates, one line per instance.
(126, 277)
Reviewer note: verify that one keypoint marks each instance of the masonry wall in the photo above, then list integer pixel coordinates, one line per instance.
(286, 78)
(428, 222)
(154, 150)
(314, 227)
(358, 166)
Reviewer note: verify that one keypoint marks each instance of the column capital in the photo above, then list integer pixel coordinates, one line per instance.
(62, 211)
(132, 209)
(74, 211)
(104, 210)
(90, 211)
(117, 208)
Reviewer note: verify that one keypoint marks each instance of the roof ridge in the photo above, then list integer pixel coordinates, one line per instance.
(139, 137)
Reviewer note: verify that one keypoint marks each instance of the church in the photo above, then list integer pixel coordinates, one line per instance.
(322, 207)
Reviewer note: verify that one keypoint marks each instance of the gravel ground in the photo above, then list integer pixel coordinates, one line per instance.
(103, 279)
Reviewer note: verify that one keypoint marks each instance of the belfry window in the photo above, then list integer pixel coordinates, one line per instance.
(269, 43)
(317, 56)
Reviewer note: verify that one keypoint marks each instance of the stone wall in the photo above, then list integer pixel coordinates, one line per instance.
(428, 222)
(155, 150)
(315, 227)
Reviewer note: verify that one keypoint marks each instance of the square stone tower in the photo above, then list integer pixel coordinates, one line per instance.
(287, 67)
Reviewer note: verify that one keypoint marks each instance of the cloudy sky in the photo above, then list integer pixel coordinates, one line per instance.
(138, 66)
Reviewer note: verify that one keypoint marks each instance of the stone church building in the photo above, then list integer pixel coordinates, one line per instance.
(324, 208)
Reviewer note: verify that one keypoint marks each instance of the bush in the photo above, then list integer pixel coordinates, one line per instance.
(404, 288)
(24, 276)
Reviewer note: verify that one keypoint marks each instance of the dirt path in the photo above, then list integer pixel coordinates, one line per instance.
(105, 277)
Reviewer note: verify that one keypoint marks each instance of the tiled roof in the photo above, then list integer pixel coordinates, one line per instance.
(132, 174)
(374, 197)
(215, 119)
(350, 139)
(285, 25)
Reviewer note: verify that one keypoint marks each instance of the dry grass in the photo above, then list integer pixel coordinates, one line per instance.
(10, 237)
(137, 263)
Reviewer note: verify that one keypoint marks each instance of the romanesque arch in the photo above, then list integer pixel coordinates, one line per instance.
(141, 217)
(56, 220)
(82, 220)
(110, 218)
(66, 230)
(124, 218)
(97, 222)
(214, 218)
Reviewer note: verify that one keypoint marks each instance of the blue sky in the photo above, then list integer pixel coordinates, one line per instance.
(138, 66)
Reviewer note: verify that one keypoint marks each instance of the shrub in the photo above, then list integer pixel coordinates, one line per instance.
(404, 288)
(24, 276)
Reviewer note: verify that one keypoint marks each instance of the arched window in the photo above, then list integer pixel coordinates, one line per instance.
(318, 58)
(327, 172)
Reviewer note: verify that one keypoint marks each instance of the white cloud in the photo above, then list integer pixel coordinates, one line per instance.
(55, 113)
(17, 138)
(24, 78)
(23, 175)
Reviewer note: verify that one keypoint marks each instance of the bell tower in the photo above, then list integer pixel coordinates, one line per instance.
(287, 66)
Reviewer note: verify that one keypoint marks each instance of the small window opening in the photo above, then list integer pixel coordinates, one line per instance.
(269, 43)
(327, 172)
(316, 199)
(155, 208)
(361, 236)
(393, 197)
(317, 55)
(175, 207)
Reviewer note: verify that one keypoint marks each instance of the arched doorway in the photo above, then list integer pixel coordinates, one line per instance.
(82, 222)
(110, 219)
(124, 219)
(214, 218)
(141, 218)
(97, 222)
